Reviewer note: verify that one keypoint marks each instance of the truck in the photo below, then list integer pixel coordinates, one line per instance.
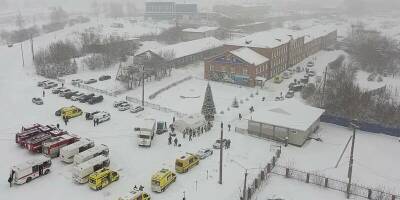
(91, 153)
(28, 132)
(52, 146)
(162, 179)
(81, 172)
(29, 170)
(102, 177)
(161, 127)
(67, 153)
(145, 133)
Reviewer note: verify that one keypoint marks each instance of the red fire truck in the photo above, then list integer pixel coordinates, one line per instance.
(52, 146)
(29, 132)
(35, 143)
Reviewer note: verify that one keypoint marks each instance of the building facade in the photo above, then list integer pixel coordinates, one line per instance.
(198, 33)
(169, 10)
(284, 48)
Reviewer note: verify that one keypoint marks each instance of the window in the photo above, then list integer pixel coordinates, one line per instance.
(35, 168)
(244, 71)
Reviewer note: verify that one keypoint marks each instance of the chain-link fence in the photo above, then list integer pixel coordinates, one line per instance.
(355, 189)
(154, 95)
(155, 106)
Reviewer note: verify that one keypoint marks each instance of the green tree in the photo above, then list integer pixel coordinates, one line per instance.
(208, 109)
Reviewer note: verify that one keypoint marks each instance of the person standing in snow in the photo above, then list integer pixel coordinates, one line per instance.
(94, 122)
(44, 93)
(176, 141)
(240, 116)
(229, 127)
(169, 140)
(173, 119)
(58, 126)
(190, 136)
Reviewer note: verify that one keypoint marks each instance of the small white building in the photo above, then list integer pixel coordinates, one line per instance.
(190, 122)
(289, 119)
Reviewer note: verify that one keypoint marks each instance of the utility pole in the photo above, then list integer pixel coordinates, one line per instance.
(22, 55)
(244, 185)
(322, 103)
(221, 148)
(350, 172)
(143, 86)
(33, 53)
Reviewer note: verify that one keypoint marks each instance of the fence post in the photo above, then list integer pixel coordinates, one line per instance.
(326, 182)
(262, 175)
(287, 173)
(308, 178)
(269, 168)
(273, 161)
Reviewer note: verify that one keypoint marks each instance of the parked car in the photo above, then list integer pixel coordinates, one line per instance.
(137, 109)
(42, 83)
(311, 73)
(291, 71)
(86, 98)
(124, 106)
(90, 81)
(278, 79)
(76, 81)
(104, 77)
(279, 98)
(285, 75)
(95, 99)
(9, 44)
(298, 69)
(204, 153)
(289, 94)
(64, 92)
(50, 85)
(217, 143)
(68, 95)
(57, 90)
(296, 87)
(77, 96)
(102, 116)
(118, 103)
(310, 64)
(90, 115)
(37, 101)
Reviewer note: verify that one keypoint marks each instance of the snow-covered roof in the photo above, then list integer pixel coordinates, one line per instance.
(265, 39)
(188, 48)
(92, 162)
(201, 29)
(249, 56)
(316, 32)
(30, 163)
(290, 114)
(192, 121)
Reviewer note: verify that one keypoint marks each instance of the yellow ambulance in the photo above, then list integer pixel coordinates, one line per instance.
(186, 162)
(162, 179)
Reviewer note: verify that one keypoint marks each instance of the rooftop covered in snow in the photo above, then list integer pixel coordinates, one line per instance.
(265, 39)
(315, 32)
(201, 29)
(249, 56)
(290, 114)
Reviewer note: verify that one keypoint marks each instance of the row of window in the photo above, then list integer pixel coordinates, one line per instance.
(279, 51)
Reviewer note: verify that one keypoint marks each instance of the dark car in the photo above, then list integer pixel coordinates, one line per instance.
(104, 77)
(95, 99)
(296, 87)
(86, 98)
(57, 90)
(90, 115)
(289, 94)
(71, 94)
(90, 81)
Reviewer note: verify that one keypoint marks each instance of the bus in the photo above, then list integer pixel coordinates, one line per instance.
(29, 170)
(67, 153)
(91, 153)
(81, 172)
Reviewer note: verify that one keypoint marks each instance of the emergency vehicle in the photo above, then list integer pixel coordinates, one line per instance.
(145, 133)
(28, 132)
(52, 146)
(81, 172)
(29, 170)
(101, 178)
(91, 153)
(162, 179)
(67, 153)
(35, 143)
(136, 194)
(186, 162)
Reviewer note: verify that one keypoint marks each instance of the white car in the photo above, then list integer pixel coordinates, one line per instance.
(286, 75)
(77, 96)
(124, 106)
(102, 116)
(137, 109)
(204, 153)
(118, 103)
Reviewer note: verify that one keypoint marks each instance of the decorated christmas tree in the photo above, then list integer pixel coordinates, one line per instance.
(235, 103)
(208, 109)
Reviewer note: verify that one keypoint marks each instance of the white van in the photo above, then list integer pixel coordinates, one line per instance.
(145, 132)
(67, 153)
(81, 172)
(91, 153)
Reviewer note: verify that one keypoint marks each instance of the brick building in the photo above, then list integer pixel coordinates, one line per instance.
(282, 47)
